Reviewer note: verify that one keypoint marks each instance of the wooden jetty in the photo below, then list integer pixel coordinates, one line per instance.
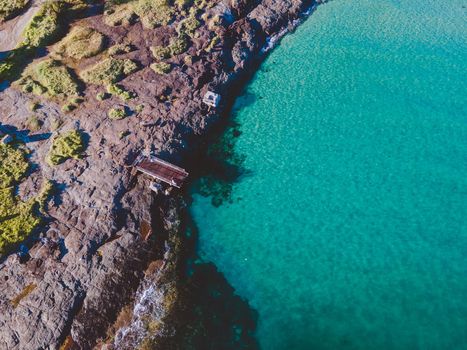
(161, 170)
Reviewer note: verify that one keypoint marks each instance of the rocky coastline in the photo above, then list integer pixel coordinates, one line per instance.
(107, 270)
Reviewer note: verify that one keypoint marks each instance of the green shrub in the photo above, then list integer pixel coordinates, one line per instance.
(123, 134)
(214, 41)
(10, 8)
(33, 106)
(154, 13)
(13, 165)
(117, 113)
(81, 42)
(160, 52)
(34, 123)
(139, 108)
(55, 123)
(188, 26)
(179, 45)
(120, 15)
(66, 146)
(120, 49)
(68, 107)
(102, 96)
(17, 218)
(110, 70)
(120, 92)
(181, 4)
(49, 76)
(161, 67)
(77, 100)
(44, 26)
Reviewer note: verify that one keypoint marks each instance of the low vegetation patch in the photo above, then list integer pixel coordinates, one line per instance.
(10, 8)
(117, 113)
(177, 46)
(34, 123)
(120, 15)
(81, 42)
(120, 49)
(188, 26)
(43, 29)
(17, 218)
(66, 146)
(13, 165)
(152, 13)
(161, 67)
(213, 43)
(101, 96)
(110, 70)
(34, 106)
(49, 77)
(68, 107)
(160, 52)
(44, 26)
(120, 92)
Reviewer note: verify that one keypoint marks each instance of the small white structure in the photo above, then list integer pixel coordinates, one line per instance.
(5, 140)
(212, 99)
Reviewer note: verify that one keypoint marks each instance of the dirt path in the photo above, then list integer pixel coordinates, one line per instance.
(10, 31)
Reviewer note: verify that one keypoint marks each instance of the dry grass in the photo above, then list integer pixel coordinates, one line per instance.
(23, 294)
(81, 42)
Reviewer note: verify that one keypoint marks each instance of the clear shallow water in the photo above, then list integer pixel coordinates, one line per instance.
(348, 229)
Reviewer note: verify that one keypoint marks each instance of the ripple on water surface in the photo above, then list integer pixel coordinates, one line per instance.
(347, 230)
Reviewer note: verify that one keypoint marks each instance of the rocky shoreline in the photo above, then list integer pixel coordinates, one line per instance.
(82, 272)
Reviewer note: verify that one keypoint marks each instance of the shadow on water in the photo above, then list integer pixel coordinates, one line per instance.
(214, 316)
(222, 166)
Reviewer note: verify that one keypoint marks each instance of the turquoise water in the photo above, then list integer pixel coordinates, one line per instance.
(348, 227)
